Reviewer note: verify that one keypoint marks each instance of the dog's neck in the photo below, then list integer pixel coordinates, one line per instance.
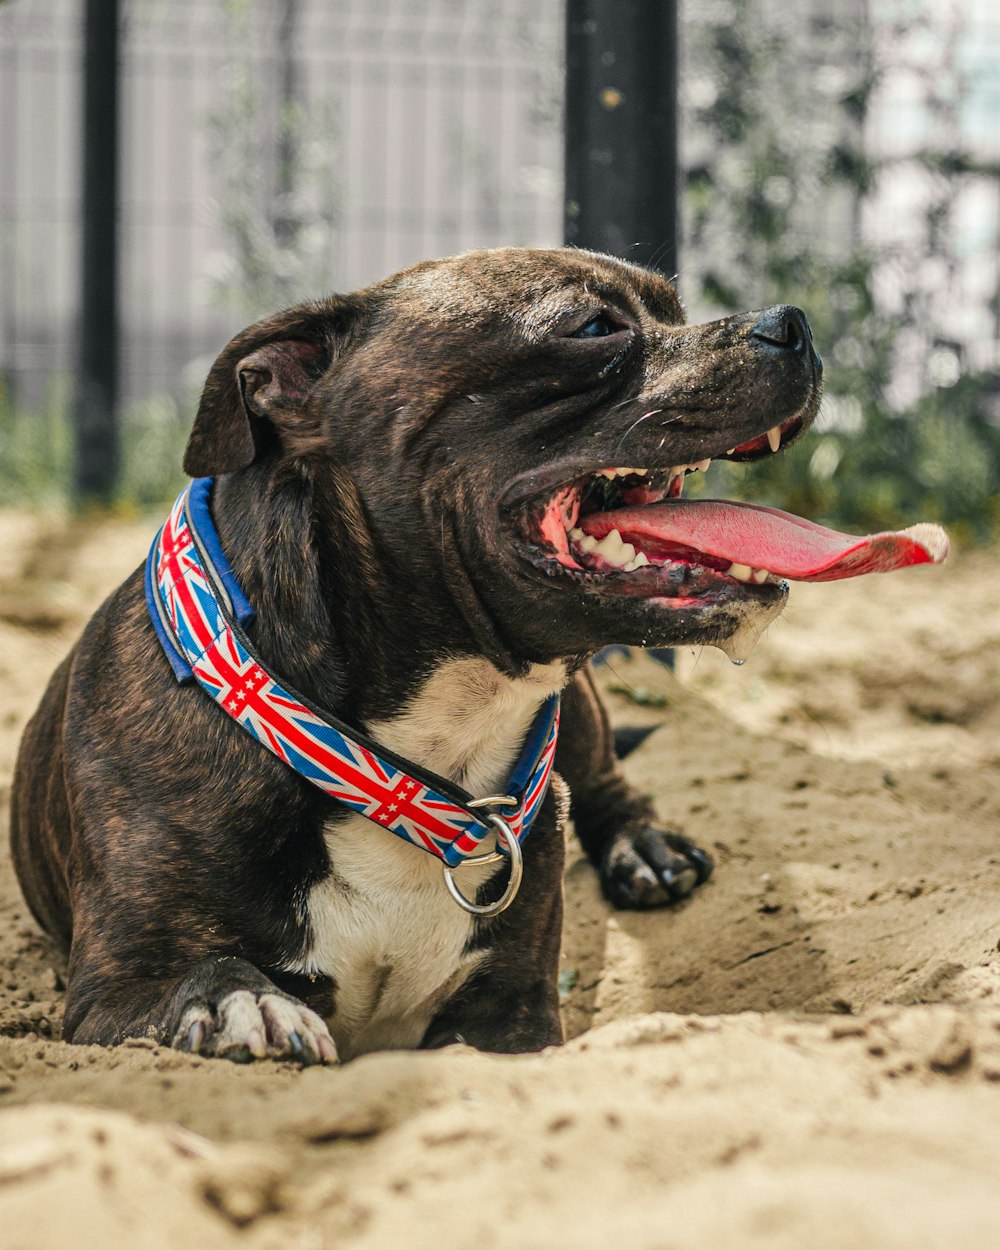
(392, 663)
(468, 721)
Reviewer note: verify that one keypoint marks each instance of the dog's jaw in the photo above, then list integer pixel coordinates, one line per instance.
(668, 595)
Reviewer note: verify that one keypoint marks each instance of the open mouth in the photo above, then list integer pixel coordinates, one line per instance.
(629, 532)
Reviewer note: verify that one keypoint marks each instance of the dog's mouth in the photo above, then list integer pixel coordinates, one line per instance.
(628, 532)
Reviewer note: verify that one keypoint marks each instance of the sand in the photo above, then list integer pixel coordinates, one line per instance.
(806, 1054)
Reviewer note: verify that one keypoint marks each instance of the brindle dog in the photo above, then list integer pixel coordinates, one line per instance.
(399, 473)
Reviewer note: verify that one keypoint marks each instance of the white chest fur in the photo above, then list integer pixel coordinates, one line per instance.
(382, 924)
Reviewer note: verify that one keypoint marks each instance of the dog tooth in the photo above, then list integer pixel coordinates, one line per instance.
(614, 550)
(702, 465)
(730, 451)
(640, 560)
(576, 534)
(740, 571)
(608, 473)
(760, 576)
(607, 548)
(588, 542)
(774, 437)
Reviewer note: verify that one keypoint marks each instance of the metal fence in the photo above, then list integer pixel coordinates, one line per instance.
(272, 151)
(347, 138)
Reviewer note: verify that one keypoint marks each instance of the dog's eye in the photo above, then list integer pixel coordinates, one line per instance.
(598, 327)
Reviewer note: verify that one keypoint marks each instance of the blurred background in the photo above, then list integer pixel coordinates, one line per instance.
(843, 155)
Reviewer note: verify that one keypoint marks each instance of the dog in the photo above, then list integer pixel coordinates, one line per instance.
(414, 487)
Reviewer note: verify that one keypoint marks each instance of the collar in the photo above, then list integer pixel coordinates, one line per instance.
(200, 613)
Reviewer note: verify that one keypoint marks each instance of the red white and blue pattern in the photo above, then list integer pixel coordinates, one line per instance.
(325, 754)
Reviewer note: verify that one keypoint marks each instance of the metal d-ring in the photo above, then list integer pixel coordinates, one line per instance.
(508, 839)
(491, 800)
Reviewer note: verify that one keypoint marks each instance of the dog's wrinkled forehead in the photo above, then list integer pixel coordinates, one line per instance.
(535, 289)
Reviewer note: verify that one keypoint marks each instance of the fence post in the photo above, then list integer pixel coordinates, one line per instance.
(621, 129)
(621, 136)
(97, 452)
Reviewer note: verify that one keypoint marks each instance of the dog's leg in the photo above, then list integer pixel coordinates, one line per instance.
(224, 1006)
(500, 1014)
(640, 864)
(511, 1005)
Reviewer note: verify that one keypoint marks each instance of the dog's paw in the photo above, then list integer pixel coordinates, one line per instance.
(651, 867)
(243, 1026)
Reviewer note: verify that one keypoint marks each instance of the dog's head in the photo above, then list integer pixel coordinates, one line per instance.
(515, 426)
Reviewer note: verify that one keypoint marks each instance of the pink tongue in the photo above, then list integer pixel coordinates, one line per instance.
(764, 538)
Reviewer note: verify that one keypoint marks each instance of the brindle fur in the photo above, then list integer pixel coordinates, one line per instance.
(360, 446)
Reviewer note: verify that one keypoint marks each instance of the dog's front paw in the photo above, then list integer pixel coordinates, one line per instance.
(244, 1025)
(649, 867)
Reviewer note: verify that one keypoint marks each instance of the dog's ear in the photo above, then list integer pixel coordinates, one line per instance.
(257, 386)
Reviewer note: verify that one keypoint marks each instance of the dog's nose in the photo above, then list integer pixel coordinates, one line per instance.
(784, 327)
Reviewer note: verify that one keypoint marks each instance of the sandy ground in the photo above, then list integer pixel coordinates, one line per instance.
(806, 1054)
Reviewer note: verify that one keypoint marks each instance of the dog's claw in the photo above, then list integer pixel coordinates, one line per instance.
(647, 867)
(236, 1054)
(703, 862)
(679, 883)
(195, 1038)
(327, 1050)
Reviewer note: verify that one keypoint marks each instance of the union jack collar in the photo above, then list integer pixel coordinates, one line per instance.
(199, 613)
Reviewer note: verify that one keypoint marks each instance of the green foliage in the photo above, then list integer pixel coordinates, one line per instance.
(154, 433)
(277, 195)
(36, 449)
(778, 185)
